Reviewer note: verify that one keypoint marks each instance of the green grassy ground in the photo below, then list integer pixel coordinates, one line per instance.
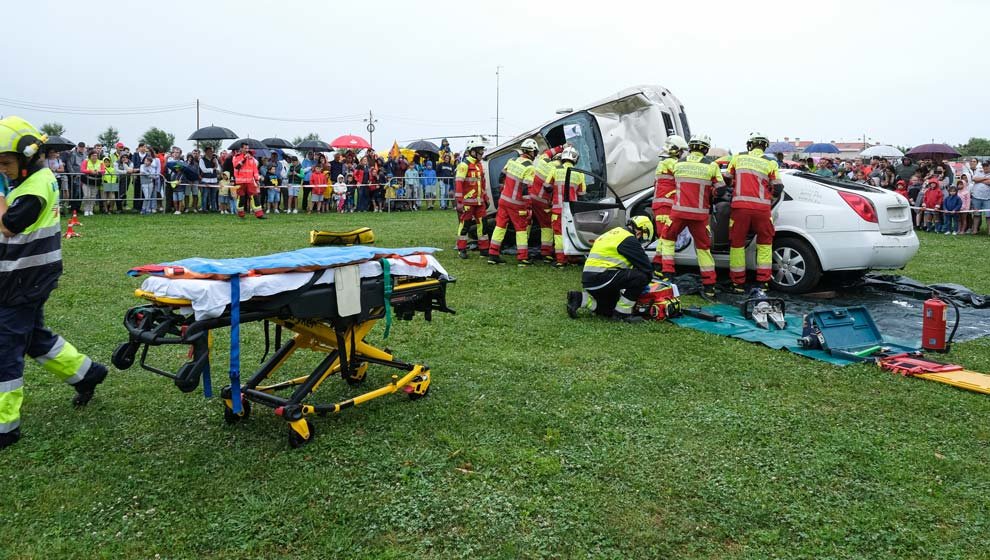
(542, 436)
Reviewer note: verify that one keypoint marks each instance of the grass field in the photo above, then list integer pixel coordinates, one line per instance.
(541, 437)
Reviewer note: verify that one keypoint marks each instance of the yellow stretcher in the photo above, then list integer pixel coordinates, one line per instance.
(912, 365)
(310, 314)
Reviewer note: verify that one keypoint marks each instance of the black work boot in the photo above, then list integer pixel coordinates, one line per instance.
(462, 254)
(495, 259)
(10, 438)
(548, 259)
(708, 292)
(524, 263)
(573, 304)
(738, 289)
(87, 385)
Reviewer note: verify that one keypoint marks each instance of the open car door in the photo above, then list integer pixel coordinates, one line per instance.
(585, 220)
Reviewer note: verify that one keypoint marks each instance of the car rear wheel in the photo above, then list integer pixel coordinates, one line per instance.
(795, 266)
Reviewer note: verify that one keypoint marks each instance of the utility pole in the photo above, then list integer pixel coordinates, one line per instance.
(197, 114)
(371, 120)
(497, 94)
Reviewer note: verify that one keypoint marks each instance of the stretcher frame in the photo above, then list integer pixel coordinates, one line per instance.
(162, 322)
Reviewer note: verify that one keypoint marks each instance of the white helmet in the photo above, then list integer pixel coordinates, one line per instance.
(529, 145)
(674, 143)
(756, 138)
(473, 144)
(570, 154)
(701, 140)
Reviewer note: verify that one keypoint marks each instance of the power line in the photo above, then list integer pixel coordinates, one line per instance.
(92, 111)
(339, 119)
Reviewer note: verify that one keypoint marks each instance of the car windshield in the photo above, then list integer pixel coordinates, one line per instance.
(581, 131)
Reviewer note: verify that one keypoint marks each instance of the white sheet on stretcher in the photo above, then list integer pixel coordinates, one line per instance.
(210, 297)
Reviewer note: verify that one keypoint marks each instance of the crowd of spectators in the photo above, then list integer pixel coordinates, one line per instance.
(942, 199)
(99, 180)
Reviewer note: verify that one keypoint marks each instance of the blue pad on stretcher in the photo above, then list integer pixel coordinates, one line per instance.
(734, 325)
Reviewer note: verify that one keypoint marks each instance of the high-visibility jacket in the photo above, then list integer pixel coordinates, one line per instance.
(755, 179)
(31, 261)
(245, 169)
(577, 186)
(469, 183)
(665, 187)
(695, 180)
(543, 169)
(605, 254)
(518, 177)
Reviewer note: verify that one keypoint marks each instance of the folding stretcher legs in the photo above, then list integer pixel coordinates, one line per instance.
(347, 355)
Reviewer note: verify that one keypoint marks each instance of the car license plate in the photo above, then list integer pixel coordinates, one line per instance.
(897, 213)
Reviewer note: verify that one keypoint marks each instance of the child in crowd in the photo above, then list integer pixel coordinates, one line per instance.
(293, 177)
(902, 189)
(962, 189)
(111, 186)
(389, 194)
(340, 193)
(931, 204)
(351, 192)
(318, 180)
(951, 206)
(914, 198)
(273, 197)
(149, 187)
(227, 194)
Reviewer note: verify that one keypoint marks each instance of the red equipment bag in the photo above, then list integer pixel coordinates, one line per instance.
(659, 301)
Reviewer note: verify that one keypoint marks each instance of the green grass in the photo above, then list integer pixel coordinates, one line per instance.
(542, 436)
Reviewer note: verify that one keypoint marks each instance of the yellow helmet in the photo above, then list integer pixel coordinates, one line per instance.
(20, 137)
(643, 224)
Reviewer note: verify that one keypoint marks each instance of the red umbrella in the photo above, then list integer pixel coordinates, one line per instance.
(349, 141)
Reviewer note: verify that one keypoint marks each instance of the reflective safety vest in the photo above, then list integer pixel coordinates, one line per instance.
(518, 177)
(31, 261)
(469, 183)
(695, 179)
(577, 186)
(665, 187)
(605, 254)
(543, 169)
(754, 180)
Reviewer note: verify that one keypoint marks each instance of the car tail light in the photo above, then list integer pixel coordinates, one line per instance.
(861, 205)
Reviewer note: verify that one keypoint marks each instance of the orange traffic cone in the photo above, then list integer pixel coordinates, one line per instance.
(73, 221)
(70, 233)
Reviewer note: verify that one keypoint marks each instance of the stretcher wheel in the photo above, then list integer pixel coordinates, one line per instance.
(184, 378)
(296, 440)
(123, 356)
(231, 418)
(358, 377)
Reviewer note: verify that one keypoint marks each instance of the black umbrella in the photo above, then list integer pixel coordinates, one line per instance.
(58, 143)
(424, 146)
(933, 151)
(213, 133)
(276, 142)
(251, 142)
(315, 145)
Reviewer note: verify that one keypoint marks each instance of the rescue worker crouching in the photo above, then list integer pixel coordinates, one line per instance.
(664, 190)
(616, 273)
(563, 191)
(696, 180)
(30, 264)
(470, 197)
(755, 185)
(514, 205)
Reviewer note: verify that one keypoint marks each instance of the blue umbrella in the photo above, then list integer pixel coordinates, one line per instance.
(821, 148)
(783, 147)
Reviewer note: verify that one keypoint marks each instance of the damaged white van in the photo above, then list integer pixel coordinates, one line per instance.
(823, 225)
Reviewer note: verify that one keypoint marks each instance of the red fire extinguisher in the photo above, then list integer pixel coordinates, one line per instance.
(933, 323)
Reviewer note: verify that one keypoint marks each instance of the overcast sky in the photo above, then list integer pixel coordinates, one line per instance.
(898, 72)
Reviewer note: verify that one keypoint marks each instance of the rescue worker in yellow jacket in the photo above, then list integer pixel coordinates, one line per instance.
(566, 185)
(755, 185)
(616, 273)
(664, 190)
(514, 205)
(30, 264)
(471, 198)
(540, 199)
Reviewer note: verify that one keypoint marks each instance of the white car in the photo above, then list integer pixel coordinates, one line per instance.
(823, 225)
